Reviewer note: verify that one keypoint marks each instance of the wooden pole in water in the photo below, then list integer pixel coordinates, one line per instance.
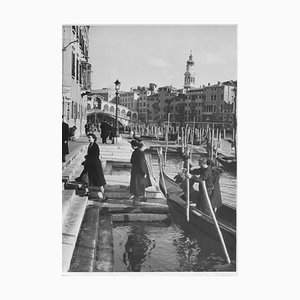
(182, 139)
(200, 136)
(187, 192)
(193, 134)
(160, 158)
(218, 143)
(215, 221)
(186, 135)
(167, 138)
(212, 142)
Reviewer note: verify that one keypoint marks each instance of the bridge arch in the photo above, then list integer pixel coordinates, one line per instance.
(123, 112)
(106, 107)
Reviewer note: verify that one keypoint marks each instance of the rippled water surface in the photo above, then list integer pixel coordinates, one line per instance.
(158, 247)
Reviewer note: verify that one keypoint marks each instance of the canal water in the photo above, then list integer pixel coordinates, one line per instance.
(174, 246)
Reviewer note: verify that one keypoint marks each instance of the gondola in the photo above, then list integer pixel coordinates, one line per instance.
(226, 215)
(228, 162)
(172, 151)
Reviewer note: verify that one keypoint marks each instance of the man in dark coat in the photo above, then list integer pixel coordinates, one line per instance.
(65, 138)
(105, 129)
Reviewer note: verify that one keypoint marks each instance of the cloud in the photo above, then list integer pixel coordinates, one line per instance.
(158, 62)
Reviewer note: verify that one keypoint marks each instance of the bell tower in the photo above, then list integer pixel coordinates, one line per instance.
(189, 75)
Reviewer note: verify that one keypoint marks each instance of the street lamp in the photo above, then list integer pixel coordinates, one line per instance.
(117, 87)
(65, 48)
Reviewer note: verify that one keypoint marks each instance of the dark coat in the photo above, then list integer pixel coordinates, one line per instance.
(216, 199)
(65, 138)
(105, 129)
(138, 182)
(93, 167)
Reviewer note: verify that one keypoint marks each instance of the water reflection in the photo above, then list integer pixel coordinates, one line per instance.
(138, 248)
(148, 247)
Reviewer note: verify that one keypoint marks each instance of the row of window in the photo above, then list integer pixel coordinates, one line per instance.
(76, 68)
(78, 33)
(75, 111)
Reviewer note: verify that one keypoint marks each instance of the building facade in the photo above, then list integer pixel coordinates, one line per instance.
(76, 76)
(211, 103)
(129, 99)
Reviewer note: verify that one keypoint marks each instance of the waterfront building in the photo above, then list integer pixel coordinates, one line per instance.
(211, 104)
(152, 108)
(143, 93)
(129, 99)
(76, 76)
(165, 96)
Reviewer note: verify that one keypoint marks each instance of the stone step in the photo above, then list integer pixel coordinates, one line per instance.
(138, 209)
(143, 217)
(73, 155)
(118, 195)
(85, 251)
(74, 166)
(67, 196)
(104, 260)
(116, 187)
(70, 229)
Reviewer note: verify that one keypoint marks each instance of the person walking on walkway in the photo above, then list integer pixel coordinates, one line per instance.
(138, 172)
(86, 128)
(147, 177)
(105, 129)
(92, 174)
(65, 139)
(72, 133)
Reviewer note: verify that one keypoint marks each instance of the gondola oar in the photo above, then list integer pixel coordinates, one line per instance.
(215, 221)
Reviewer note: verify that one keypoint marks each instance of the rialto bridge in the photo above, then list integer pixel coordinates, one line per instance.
(107, 110)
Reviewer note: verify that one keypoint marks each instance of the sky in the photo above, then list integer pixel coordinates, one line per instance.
(139, 55)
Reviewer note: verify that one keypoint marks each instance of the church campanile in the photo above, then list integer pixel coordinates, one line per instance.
(189, 75)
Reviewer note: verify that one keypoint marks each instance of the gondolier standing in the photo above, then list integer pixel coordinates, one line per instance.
(207, 176)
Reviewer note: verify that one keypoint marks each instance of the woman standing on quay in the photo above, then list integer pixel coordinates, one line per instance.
(92, 174)
(139, 171)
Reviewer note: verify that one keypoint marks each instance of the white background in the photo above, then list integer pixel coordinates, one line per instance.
(268, 126)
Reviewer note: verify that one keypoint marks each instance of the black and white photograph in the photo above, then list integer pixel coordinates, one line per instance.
(178, 173)
(149, 148)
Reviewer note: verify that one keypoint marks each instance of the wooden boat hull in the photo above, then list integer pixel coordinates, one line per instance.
(227, 162)
(198, 218)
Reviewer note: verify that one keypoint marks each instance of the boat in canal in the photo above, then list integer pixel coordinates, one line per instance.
(226, 215)
(228, 162)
